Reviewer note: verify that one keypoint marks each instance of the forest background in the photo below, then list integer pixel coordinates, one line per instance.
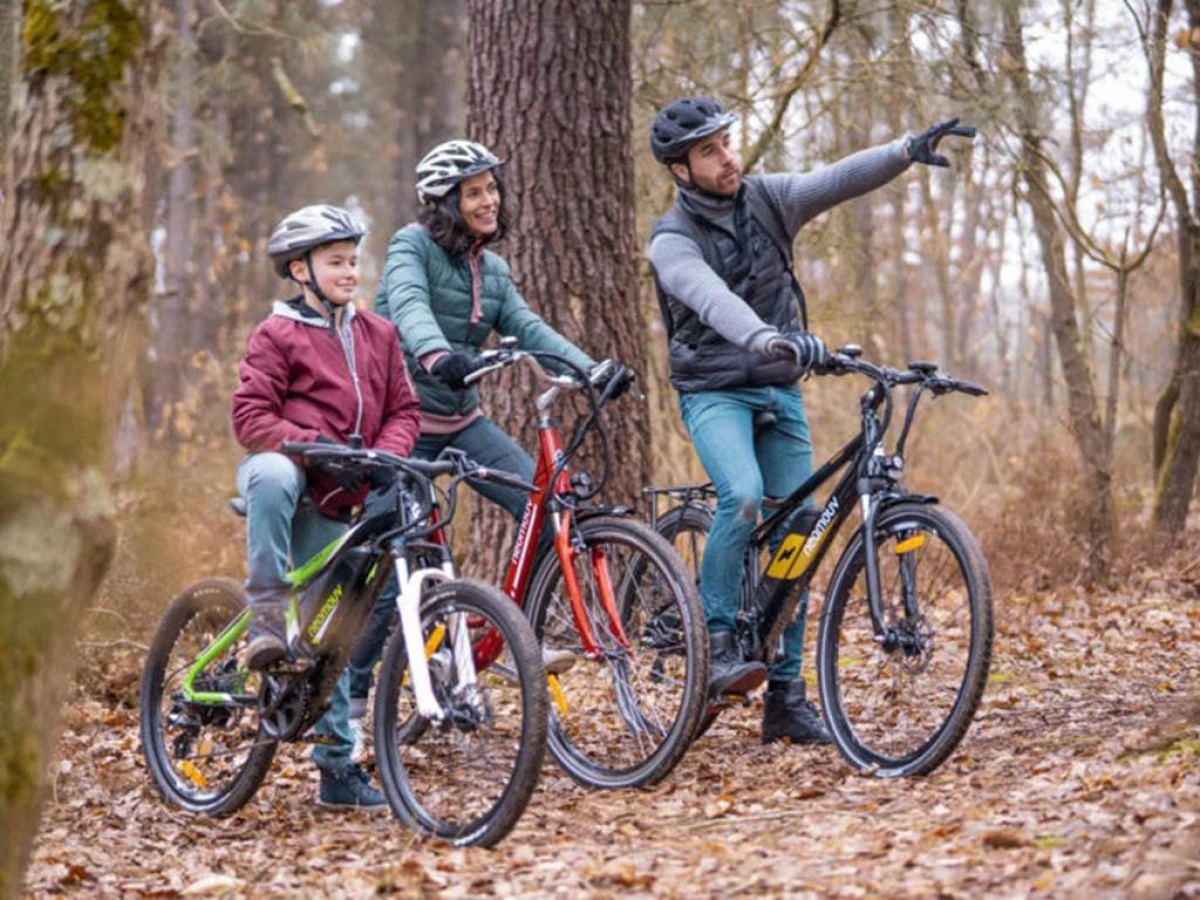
(150, 147)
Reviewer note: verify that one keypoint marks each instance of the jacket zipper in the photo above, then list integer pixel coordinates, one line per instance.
(347, 339)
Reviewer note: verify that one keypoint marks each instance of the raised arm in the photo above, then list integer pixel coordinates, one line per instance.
(803, 196)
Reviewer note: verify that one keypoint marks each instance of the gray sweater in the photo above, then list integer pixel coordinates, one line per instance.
(683, 273)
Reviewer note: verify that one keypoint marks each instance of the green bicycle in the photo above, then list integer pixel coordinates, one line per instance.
(459, 746)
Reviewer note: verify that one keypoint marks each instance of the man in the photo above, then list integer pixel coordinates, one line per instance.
(738, 340)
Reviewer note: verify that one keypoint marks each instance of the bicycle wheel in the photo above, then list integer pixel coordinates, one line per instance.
(901, 706)
(468, 778)
(625, 717)
(686, 528)
(205, 757)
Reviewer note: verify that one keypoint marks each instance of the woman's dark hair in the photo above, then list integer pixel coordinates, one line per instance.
(444, 221)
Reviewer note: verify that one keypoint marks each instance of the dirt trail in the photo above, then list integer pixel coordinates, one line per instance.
(1079, 778)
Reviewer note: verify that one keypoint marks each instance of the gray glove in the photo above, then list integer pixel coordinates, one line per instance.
(807, 350)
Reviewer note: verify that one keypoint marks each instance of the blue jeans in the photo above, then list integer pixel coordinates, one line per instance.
(744, 469)
(486, 443)
(282, 532)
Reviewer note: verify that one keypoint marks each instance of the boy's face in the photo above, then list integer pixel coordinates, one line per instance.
(335, 269)
(714, 165)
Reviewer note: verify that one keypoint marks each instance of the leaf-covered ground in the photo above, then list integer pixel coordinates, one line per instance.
(1080, 778)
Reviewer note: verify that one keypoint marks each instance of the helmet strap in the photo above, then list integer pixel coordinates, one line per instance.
(311, 284)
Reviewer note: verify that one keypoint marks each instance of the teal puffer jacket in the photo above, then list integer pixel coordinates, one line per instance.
(428, 296)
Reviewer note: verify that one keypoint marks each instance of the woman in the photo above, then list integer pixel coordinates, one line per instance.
(446, 293)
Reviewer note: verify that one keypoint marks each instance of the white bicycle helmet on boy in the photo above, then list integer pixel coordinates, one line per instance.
(307, 228)
(450, 163)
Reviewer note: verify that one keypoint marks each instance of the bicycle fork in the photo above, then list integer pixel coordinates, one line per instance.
(408, 602)
(598, 560)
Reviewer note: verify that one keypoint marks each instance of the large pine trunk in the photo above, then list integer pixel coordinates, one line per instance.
(75, 266)
(549, 89)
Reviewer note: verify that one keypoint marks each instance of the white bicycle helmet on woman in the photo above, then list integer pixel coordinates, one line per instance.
(447, 164)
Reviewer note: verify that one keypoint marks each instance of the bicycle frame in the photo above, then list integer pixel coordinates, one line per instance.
(545, 508)
(378, 531)
(870, 481)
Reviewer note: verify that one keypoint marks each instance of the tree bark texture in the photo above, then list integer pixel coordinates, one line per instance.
(1082, 405)
(1177, 413)
(75, 267)
(549, 90)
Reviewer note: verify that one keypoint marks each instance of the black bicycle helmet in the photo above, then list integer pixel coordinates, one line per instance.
(682, 123)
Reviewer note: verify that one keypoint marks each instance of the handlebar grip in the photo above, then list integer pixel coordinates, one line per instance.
(970, 387)
(430, 468)
(498, 476)
(303, 448)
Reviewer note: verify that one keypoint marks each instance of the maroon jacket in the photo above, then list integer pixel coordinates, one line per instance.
(299, 381)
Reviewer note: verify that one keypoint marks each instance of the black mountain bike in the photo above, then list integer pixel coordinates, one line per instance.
(905, 636)
(459, 746)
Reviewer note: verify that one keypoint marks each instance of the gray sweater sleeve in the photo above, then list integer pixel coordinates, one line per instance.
(682, 271)
(801, 197)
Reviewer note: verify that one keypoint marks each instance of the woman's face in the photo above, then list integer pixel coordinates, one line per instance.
(479, 203)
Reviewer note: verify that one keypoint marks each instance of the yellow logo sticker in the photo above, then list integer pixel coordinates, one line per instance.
(786, 557)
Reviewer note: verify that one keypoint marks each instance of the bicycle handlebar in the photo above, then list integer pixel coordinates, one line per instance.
(846, 360)
(615, 377)
(449, 462)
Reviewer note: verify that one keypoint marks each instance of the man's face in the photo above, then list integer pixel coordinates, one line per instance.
(713, 164)
(335, 268)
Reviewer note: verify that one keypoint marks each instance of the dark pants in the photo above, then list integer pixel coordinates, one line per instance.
(485, 443)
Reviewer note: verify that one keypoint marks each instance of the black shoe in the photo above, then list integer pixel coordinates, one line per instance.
(348, 787)
(728, 673)
(267, 645)
(786, 714)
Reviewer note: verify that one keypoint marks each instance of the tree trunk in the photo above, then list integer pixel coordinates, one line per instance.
(1082, 405)
(171, 339)
(9, 17)
(559, 112)
(1177, 413)
(69, 307)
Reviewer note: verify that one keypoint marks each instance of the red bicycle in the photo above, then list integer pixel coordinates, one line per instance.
(612, 603)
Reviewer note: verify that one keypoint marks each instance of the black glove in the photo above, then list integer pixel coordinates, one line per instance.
(618, 373)
(350, 479)
(807, 350)
(453, 368)
(381, 478)
(923, 147)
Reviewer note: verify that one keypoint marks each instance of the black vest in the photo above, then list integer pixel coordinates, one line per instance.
(756, 265)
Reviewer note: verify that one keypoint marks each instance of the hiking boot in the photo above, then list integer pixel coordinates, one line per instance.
(787, 714)
(728, 672)
(348, 787)
(267, 645)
